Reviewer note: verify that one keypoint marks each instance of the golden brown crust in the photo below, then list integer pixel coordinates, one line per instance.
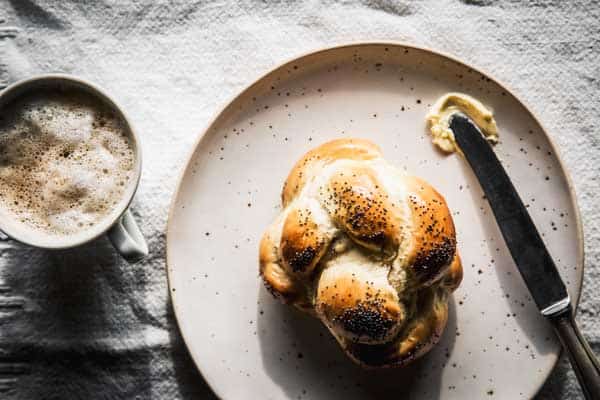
(420, 335)
(302, 243)
(364, 211)
(277, 280)
(454, 275)
(359, 306)
(433, 236)
(365, 248)
(313, 161)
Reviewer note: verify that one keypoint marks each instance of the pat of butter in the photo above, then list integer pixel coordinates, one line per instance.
(439, 116)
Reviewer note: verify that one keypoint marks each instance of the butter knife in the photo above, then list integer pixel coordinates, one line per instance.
(528, 251)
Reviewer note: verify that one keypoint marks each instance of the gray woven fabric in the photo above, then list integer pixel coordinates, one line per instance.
(84, 324)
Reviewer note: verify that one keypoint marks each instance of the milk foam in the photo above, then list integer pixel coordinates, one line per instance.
(65, 160)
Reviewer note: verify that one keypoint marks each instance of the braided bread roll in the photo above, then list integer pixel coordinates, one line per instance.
(367, 249)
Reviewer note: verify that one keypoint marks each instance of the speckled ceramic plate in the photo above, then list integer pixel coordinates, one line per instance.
(247, 345)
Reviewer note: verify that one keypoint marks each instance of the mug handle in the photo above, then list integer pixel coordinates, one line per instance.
(127, 238)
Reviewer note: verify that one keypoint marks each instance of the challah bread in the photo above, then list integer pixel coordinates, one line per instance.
(367, 249)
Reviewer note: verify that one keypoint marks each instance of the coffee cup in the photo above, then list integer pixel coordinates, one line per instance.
(112, 218)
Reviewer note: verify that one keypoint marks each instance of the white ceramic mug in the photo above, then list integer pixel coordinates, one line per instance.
(118, 225)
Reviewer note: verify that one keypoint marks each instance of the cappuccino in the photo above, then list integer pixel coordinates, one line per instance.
(66, 160)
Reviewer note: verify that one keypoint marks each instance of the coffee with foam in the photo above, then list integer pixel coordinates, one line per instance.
(66, 160)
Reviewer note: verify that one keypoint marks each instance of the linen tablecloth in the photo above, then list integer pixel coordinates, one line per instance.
(83, 324)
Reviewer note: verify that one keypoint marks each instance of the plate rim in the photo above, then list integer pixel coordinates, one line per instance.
(332, 48)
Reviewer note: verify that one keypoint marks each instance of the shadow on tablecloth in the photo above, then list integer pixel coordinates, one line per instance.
(74, 323)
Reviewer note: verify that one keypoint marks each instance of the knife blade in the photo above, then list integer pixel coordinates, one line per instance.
(520, 234)
(528, 251)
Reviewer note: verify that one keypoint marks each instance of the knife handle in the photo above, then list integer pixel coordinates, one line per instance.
(583, 360)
